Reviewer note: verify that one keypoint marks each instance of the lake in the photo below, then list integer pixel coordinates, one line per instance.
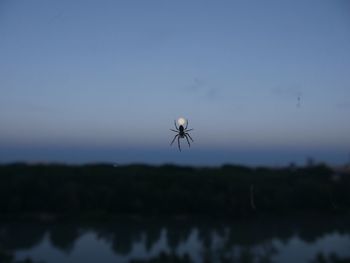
(264, 239)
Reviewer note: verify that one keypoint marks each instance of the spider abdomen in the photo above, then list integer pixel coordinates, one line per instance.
(181, 131)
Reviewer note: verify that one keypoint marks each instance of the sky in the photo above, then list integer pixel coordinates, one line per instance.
(260, 82)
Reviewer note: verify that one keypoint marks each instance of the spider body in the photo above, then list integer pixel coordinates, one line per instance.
(182, 132)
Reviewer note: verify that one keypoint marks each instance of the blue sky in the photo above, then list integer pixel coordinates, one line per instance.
(85, 81)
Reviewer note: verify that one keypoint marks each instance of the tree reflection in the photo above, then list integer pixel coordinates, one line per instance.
(216, 241)
(20, 235)
(163, 257)
(178, 232)
(152, 235)
(7, 257)
(332, 258)
(63, 236)
(121, 235)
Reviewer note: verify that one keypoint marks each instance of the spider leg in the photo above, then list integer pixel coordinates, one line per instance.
(189, 145)
(188, 130)
(176, 125)
(178, 143)
(174, 130)
(186, 124)
(186, 133)
(174, 139)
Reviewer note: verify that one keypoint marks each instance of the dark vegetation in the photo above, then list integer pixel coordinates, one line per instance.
(233, 191)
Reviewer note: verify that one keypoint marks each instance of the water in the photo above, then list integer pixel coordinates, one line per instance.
(311, 239)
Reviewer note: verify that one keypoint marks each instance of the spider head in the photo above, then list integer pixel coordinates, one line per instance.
(181, 128)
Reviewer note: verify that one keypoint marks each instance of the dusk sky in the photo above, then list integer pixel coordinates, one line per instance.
(261, 82)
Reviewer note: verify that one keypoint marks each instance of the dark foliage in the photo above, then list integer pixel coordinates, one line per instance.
(169, 190)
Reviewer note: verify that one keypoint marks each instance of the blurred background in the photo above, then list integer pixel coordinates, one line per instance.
(90, 81)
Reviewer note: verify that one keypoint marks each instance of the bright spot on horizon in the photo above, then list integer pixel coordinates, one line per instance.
(181, 121)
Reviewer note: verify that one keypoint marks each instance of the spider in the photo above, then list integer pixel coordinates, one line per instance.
(181, 133)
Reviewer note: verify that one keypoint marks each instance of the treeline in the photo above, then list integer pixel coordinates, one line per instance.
(170, 190)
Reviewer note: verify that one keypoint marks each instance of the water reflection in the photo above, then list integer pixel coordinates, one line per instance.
(179, 240)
